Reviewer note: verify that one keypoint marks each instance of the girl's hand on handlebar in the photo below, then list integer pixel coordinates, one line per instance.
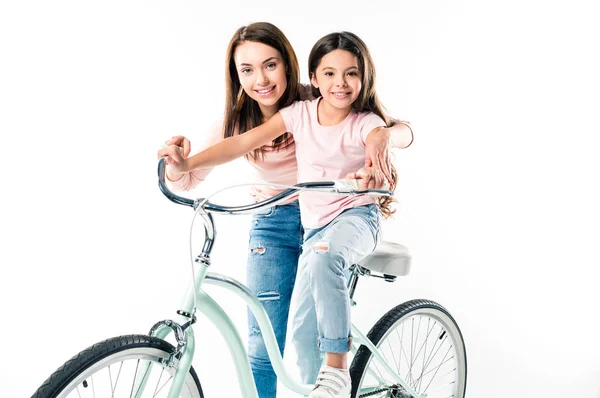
(369, 178)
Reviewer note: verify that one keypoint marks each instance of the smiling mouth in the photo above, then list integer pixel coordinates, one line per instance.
(265, 91)
(340, 95)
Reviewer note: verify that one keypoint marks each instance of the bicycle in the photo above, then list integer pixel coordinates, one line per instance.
(433, 356)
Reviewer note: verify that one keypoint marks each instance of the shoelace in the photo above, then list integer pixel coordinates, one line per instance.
(330, 381)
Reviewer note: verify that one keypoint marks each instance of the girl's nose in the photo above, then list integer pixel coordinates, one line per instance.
(341, 82)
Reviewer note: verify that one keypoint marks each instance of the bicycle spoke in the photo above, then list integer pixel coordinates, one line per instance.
(143, 377)
(118, 375)
(438, 368)
(166, 382)
(157, 383)
(433, 363)
(392, 353)
(137, 364)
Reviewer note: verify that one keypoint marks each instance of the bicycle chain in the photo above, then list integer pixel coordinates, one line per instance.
(400, 391)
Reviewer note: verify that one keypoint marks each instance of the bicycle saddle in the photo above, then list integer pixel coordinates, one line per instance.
(388, 258)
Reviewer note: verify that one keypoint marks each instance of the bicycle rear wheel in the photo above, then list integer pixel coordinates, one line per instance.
(111, 368)
(423, 344)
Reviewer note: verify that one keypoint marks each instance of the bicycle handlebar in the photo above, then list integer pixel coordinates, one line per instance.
(337, 186)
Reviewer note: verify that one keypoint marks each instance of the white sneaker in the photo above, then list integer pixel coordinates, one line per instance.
(332, 383)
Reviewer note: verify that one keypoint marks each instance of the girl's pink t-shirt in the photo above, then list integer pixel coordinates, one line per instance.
(326, 153)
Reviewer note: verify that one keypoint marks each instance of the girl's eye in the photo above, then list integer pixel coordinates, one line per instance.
(328, 73)
(352, 74)
(271, 65)
(246, 71)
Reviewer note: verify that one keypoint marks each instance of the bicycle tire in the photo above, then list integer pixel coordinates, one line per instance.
(402, 315)
(75, 373)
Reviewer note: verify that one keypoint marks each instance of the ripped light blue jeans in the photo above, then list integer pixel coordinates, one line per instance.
(320, 299)
(275, 245)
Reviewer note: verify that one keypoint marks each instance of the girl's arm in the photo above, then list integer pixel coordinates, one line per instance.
(227, 150)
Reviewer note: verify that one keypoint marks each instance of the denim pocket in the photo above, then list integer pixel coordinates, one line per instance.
(265, 213)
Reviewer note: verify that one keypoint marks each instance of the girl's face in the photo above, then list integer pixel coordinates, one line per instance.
(261, 71)
(338, 78)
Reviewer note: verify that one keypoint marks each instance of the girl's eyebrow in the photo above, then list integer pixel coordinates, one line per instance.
(332, 68)
(264, 62)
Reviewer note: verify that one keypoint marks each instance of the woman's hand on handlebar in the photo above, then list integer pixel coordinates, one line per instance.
(181, 142)
(175, 151)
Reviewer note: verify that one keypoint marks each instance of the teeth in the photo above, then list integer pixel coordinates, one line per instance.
(265, 91)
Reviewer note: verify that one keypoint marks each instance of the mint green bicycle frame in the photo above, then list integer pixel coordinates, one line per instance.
(213, 311)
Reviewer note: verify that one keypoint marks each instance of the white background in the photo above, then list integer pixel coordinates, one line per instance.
(499, 193)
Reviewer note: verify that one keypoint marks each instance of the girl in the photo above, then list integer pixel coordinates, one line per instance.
(262, 76)
(330, 135)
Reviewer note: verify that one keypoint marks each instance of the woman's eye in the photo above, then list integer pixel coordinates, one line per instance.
(271, 65)
(246, 71)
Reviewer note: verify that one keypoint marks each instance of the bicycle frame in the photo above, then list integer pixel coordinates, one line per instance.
(213, 311)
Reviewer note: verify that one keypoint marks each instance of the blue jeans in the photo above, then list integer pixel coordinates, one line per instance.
(275, 245)
(320, 299)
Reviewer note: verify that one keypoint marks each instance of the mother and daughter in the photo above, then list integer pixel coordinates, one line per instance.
(290, 133)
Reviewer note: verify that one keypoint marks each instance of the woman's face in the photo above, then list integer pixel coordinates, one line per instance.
(262, 74)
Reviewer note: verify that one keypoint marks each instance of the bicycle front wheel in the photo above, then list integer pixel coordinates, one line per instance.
(421, 341)
(124, 366)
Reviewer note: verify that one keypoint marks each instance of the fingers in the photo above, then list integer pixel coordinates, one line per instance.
(172, 151)
(181, 142)
(186, 147)
(369, 178)
(363, 177)
(384, 165)
(175, 140)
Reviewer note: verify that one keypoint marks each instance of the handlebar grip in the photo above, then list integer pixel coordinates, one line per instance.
(166, 191)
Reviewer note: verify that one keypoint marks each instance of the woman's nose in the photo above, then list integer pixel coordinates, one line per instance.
(262, 79)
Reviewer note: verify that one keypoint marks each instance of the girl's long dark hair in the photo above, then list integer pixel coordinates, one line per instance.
(367, 100)
(242, 112)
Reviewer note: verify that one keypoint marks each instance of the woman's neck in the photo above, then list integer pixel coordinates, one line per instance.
(328, 115)
(268, 111)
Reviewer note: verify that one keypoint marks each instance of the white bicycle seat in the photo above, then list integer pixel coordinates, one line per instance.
(388, 258)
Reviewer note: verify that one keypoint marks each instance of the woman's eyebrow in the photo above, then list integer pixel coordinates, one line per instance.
(270, 59)
(264, 62)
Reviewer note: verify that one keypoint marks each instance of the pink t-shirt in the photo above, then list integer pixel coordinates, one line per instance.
(326, 153)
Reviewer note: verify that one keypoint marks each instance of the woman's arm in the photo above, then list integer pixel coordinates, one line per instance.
(227, 150)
